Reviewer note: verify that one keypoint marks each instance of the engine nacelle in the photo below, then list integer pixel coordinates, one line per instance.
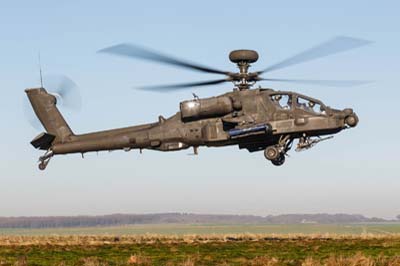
(206, 108)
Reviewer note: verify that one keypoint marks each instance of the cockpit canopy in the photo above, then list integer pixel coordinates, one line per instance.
(291, 101)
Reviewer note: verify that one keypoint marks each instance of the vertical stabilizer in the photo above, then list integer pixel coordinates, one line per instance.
(44, 106)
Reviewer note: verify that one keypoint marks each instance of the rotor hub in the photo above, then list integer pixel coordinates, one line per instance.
(243, 80)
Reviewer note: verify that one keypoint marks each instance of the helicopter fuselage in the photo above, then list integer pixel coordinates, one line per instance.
(252, 119)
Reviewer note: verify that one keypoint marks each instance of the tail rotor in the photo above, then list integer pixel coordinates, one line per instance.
(66, 92)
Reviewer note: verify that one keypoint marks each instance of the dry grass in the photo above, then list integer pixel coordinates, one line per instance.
(93, 240)
(356, 260)
(139, 260)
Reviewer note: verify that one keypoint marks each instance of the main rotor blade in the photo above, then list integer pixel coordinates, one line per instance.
(328, 83)
(131, 50)
(333, 46)
(165, 88)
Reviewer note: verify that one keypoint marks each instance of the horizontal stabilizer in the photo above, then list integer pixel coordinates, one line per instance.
(43, 141)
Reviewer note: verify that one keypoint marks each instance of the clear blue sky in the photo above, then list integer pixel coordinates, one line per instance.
(356, 172)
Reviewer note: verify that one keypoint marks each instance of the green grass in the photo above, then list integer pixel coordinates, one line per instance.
(179, 229)
(288, 251)
(215, 244)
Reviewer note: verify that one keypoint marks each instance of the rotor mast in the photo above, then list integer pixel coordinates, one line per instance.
(243, 80)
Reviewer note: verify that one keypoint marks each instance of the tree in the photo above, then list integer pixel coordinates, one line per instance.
(398, 217)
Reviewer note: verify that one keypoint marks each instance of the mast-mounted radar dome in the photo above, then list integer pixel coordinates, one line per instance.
(248, 56)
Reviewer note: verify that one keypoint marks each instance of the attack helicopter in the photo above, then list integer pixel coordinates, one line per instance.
(255, 119)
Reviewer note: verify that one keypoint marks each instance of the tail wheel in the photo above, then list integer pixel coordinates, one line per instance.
(45, 159)
(279, 161)
(42, 166)
(271, 153)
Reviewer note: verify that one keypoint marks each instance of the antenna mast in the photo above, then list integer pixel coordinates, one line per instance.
(40, 71)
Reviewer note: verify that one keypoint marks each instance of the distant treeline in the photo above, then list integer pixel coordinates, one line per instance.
(179, 218)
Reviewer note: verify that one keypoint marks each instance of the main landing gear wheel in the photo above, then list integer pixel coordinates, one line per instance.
(279, 161)
(276, 153)
(271, 153)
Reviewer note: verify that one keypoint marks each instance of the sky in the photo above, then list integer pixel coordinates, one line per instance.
(356, 172)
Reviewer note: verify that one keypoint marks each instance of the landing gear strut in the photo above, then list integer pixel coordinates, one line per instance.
(276, 153)
(45, 159)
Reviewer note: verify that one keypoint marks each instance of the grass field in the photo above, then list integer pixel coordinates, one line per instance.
(189, 245)
(185, 229)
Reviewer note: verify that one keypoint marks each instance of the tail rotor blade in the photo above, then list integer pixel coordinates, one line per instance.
(65, 90)
(30, 115)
